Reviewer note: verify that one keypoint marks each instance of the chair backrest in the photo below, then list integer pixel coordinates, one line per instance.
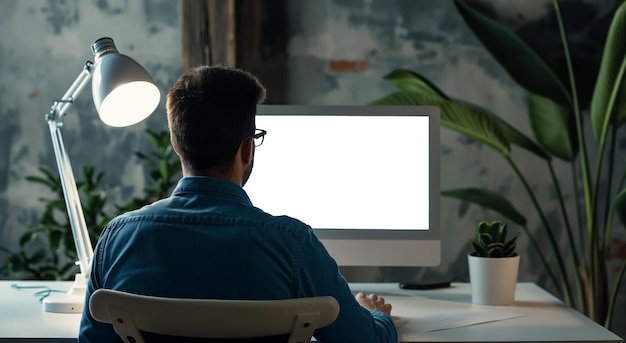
(137, 317)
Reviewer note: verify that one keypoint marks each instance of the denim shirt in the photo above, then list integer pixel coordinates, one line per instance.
(208, 241)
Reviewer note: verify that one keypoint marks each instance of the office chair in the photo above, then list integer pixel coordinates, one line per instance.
(141, 318)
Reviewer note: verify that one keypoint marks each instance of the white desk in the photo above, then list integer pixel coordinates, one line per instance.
(22, 318)
(543, 317)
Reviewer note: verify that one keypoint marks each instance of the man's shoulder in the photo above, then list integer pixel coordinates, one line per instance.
(140, 212)
(284, 222)
(248, 216)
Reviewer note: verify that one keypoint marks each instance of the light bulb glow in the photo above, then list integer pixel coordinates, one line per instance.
(129, 104)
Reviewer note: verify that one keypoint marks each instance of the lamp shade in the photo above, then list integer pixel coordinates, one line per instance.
(123, 91)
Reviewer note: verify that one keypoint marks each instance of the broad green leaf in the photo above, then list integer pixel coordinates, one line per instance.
(553, 127)
(500, 231)
(489, 199)
(154, 137)
(51, 180)
(620, 206)
(410, 81)
(164, 169)
(55, 239)
(37, 179)
(407, 80)
(27, 238)
(455, 116)
(514, 136)
(522, 63)
(37, 257)
(610, 83)
(485, 239)
(496, 249)
(15, 263)
(477, 247)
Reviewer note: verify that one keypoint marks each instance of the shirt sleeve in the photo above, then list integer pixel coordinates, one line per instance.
(92, 330)
(320, 276)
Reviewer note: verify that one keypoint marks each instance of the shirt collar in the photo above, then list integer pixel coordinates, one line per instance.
(211, 186)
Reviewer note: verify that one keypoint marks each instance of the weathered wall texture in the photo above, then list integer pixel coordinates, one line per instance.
(43, 47)
(339, 51)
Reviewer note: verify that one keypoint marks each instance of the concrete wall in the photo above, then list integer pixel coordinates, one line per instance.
(339, 51)
(43, 47)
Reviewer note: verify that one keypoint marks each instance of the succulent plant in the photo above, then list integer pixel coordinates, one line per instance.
(491, 240)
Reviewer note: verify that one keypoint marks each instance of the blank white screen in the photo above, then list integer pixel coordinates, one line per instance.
(344, 172)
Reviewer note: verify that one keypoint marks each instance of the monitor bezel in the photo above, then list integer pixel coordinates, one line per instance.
(367, 237)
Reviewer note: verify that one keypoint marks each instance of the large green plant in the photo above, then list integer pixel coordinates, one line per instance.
(47, 251)
(555, 115)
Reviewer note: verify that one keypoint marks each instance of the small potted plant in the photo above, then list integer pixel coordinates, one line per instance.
(493, 265)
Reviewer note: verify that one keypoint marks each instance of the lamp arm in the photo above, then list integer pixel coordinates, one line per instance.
(75, 213)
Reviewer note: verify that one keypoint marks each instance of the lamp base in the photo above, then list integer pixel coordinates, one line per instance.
(71, 302)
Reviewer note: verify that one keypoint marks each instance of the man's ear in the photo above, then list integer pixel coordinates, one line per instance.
(247, 151)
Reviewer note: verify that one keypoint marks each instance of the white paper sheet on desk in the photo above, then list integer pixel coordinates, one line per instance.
(460, 319)
(443, 315)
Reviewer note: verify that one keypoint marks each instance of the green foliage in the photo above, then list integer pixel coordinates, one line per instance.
(555, 108)
(488, 198)
(491, 241)
(47, 251)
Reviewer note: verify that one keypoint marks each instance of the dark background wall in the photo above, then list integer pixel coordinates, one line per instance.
(309, 52)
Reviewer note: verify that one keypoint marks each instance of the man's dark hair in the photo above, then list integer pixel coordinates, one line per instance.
(210, 111)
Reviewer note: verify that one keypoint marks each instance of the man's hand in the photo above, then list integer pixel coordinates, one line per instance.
(373, 302)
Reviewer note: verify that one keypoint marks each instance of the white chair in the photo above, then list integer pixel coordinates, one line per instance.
(141, 318)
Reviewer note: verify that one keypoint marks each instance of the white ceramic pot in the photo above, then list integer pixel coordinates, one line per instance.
(493, 280)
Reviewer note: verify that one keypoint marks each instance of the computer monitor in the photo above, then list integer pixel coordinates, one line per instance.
(366, 178)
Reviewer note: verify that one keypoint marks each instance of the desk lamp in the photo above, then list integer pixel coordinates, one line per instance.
(124, 94)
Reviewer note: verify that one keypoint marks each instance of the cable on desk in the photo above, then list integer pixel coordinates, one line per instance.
(42, 294)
